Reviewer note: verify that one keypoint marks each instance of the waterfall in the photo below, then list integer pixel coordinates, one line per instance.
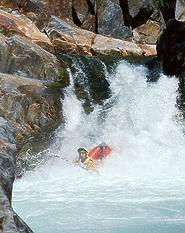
(140, 187)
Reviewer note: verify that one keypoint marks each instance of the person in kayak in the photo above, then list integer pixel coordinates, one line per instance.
(84, 160)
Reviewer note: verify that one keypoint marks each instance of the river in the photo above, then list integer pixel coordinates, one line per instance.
(140, 188)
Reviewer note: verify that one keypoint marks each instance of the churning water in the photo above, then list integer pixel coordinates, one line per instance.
(140, 188)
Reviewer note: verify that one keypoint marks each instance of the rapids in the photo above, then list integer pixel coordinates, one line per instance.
(140, 188)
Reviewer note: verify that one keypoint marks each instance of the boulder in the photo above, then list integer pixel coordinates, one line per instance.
(80, 8)
(62, 9)
(36, 11)
(32, 109)
(66, 38)
(20, 56)
(111, 21)
(17, 24)
(9, 3)
(135, 6)
(140, 12)
(180, 10)
(171, 48)
(10, 222)
(3, 53)
(77, 12)
(147, 33)
(84, 14)
(109, 46)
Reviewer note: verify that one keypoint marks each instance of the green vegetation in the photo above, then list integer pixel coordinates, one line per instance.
(61, 74)
(61, 81)
(159, 3)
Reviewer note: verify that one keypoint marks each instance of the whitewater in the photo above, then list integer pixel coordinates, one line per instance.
(140, 188)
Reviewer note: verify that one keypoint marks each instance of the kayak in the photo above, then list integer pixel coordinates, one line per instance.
(89, 169)
(99, 152)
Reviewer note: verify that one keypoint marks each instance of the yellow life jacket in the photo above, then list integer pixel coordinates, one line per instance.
(89, 163)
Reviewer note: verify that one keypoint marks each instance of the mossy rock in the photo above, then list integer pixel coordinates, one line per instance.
(62, 80)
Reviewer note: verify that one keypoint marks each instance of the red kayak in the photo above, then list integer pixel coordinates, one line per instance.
(99, 152)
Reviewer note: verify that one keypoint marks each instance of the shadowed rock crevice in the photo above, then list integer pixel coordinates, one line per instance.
(171, 48)
(125, 10)
(91, 7)
(142, 17)
(75, 17)
(96, 18)
(168, 10)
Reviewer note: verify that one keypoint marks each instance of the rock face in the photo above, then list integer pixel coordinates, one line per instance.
(147, 33)
(9, 220)
(73, 40)
(19, 56)
(18, 34)
(29, 106)
(18, 24)
(171, 48)
(106, 17)
(111, 21)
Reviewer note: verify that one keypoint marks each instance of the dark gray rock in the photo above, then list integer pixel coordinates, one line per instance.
(180, 10)
(171, 48)
(140, 11)
(54, 25)
(135, 6)
(168, 10)
(10, 222)
(110, 20)
(28, 59)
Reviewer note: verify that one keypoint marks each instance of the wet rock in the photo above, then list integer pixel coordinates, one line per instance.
(7, 157)
(20, 56)
(171, 48)
(33, 109)
(9, 221)
(154, 69)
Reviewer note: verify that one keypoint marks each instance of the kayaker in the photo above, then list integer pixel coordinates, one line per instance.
(84, 159)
